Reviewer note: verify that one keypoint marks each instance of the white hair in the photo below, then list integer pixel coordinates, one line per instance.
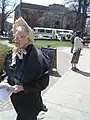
(22, 24)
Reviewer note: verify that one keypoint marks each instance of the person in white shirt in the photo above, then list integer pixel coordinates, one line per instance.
(77, 50)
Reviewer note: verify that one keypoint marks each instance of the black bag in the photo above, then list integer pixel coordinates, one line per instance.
(48, 54)
(72, 39)
(43, 79)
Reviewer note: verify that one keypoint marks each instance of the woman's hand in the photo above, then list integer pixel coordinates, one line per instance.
(18, 88)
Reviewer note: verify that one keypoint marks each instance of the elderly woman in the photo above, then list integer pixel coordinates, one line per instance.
(23, 69)
(77, 50)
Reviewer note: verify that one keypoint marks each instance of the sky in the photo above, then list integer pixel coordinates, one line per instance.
(44, 2)
(39, 2)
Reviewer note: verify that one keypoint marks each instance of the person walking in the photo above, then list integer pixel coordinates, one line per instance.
(77, 50)
(25, 72)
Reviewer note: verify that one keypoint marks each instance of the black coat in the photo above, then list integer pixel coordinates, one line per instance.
(26, 72)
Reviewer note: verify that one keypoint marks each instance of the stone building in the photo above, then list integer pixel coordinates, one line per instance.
(55, 16)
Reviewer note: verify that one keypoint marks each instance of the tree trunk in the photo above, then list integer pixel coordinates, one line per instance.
(2, 17)
(78, 17)
(2, 23)
(84, 17)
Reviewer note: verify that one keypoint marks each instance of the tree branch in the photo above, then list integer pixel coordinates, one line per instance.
(7, 14)
(68, 2)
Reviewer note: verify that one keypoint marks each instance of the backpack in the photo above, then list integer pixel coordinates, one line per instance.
(43, 79)
(48, 54)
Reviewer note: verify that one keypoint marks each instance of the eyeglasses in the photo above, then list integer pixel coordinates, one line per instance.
(19, 37)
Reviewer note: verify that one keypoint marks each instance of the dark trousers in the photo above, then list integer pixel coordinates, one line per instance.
(26, 118)
(23, 112)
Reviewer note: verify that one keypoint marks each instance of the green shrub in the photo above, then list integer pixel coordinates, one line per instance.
(3, 52)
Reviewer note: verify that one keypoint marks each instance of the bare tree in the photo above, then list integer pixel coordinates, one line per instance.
(85, 5)
(81, 8)
(6, 8)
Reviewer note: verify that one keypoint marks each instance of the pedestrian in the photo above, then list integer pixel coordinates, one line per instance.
(77, 50)
(25, 71)
(72, 41)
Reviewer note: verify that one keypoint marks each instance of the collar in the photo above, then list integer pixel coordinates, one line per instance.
(20, 53)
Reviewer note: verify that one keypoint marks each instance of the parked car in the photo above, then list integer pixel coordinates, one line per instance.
(86, 39)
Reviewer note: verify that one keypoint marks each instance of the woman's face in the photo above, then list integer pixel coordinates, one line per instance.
(21, 39)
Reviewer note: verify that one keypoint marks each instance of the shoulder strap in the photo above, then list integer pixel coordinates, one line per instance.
(40, 57)
(39, 53)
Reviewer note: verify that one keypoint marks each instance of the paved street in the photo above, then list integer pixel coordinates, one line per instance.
(67, 97)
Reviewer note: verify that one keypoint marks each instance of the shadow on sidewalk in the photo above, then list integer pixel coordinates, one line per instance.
(83, 73)
(55, 73)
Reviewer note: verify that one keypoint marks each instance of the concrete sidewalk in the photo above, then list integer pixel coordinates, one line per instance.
(69, 97)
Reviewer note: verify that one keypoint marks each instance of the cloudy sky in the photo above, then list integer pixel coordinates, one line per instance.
(44, 2)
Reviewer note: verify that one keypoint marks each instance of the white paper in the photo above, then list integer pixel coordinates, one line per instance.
(5, 91)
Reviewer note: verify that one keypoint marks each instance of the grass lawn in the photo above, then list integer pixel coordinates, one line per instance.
(37, 43)
(4, 49)
(44, 43)
(54, 43)
(3, 52)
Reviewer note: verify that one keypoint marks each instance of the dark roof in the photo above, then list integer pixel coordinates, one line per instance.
(32, 6)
